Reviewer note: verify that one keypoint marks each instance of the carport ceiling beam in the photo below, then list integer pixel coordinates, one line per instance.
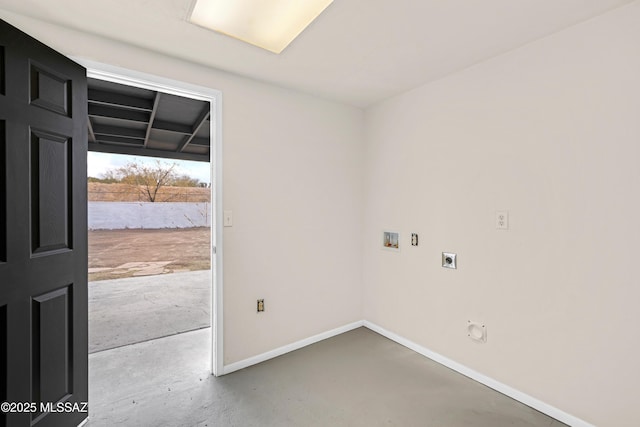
(137, 151)
(92, 135)
(202, 119)
(172, 127)
(118, 113)
(107, 139)
(118, 100)
(118, 131)
(156, 101)
(200, 142)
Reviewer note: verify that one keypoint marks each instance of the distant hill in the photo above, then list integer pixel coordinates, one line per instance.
(100, 192)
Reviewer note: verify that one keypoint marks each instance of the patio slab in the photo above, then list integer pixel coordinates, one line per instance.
(137, 309)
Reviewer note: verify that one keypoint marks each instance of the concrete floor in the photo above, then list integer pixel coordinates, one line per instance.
(355, 379)
(127, 311)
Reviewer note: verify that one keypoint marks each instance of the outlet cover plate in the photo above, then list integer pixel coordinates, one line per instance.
(502, 220)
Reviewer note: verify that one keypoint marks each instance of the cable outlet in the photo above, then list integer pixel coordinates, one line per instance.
(449, 260)
(260, 305)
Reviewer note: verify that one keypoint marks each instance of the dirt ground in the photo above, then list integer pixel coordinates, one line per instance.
(117, 254)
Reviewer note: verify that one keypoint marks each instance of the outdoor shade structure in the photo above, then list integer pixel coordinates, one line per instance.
(143, 122)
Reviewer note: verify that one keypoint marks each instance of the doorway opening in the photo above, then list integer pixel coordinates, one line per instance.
(170, 130)
(149, 242)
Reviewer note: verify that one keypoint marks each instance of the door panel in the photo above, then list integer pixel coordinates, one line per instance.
(51, 335)
(2, 70)
(43, 251)
(3, 360)
(50, 90)
(50, 188)
(3, 195)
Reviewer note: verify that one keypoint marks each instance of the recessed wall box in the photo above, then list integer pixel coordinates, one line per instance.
(449, 260)
(391, 240)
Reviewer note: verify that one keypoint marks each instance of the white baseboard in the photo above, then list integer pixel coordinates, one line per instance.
(227, 369)
(483, 379)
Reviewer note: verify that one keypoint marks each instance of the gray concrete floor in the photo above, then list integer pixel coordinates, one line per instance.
(132, 310)
(355, 379)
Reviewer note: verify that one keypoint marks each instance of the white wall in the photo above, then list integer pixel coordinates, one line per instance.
(551, 133)
(293, 178)
(123, 215)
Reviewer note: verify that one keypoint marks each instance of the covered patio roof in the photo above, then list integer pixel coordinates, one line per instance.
(143, 122)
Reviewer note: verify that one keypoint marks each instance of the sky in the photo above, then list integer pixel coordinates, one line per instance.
(99, 163)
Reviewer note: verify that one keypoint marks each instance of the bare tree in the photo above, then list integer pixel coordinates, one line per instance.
(149, 179)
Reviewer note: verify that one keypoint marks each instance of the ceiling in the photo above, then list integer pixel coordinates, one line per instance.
(130, 120)
(357, 52)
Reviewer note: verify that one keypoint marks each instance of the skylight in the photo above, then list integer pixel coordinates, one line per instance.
(269, 24)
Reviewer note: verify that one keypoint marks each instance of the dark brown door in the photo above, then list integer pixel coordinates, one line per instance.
(43, 233)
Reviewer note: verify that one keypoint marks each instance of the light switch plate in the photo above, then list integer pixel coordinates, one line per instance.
(228, 218)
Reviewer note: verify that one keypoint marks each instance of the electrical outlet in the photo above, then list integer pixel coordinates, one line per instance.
(502, 220)
(414, 239)
(260, 305)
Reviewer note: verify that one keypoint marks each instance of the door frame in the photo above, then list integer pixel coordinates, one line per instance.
(214, 97)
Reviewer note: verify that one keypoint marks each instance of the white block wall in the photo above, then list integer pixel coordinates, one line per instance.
(121, 215)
